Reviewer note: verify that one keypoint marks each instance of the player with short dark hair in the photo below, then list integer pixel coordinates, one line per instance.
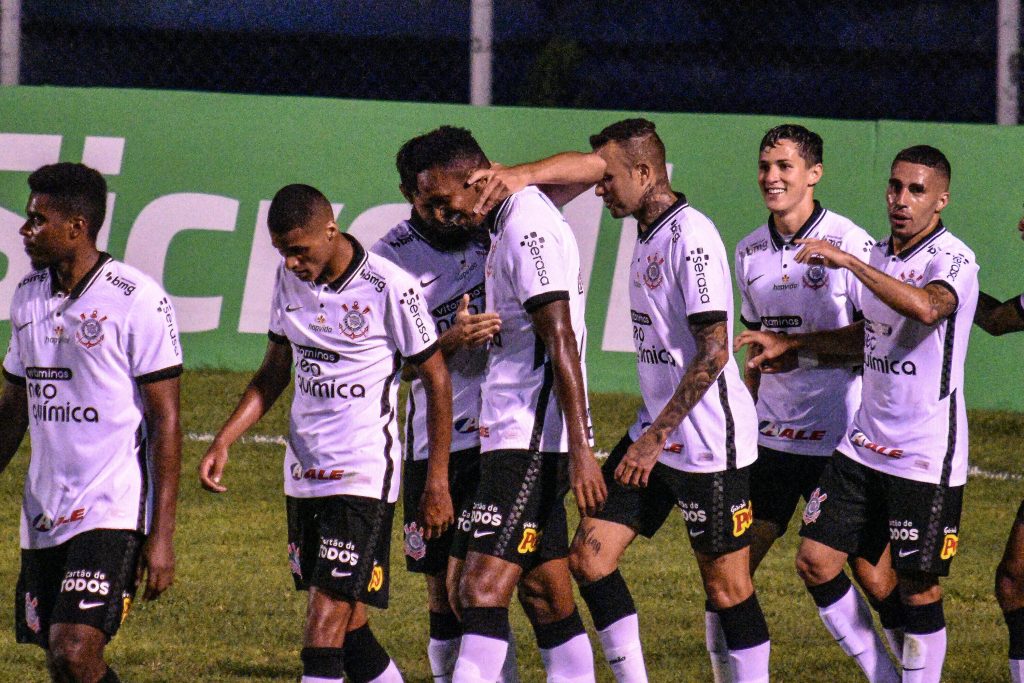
(92, 373)
(347, 320)
(803, 413)
(696, 436)
(999, 318)
(898, 474)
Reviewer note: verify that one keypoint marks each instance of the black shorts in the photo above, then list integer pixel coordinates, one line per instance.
(777, 482)
(340, 545)
(431, 557)
(716, 506)
(858, 510)
(89, 580)
(518, 512)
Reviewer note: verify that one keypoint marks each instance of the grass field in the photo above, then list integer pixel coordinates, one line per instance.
(232, 614)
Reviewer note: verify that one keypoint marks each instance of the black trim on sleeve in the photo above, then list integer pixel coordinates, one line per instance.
(755, 326)
(535, 302)
(707, 318)
(276, 338)
(423, 355)
(157, 375)
(948, 286)
(16, 380)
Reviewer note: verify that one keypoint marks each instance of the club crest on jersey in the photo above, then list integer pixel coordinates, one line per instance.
(653, 276)
(415, 546)
(354, 323)
(813, 508)
(31, 613)
(912, 278)
(90, 331)
(816, 276)
(294, 556)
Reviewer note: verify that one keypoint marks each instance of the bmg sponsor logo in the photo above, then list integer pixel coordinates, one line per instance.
(117, 282)
(535, 245)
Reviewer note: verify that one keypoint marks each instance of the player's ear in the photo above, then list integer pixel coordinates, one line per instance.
(643, 169)
(943, 201)
(78, 227)
(815, 174)
(332, 230)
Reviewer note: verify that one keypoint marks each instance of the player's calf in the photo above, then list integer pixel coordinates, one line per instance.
(75, 654)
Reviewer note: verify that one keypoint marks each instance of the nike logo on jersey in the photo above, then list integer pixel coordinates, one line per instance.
(694, 533)
(23, 326)
(907, 553)
(82, 604)
(340, 575)
(424, 284)
(752, 280)
(481, 534)
(289, 308)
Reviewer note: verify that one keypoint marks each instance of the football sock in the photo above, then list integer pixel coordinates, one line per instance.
(510, 669)
(443, 647)
(484, 645)
(924, 646)
(746, 635)
(611, 606)
(109, 677)
(847, 617)
(1015, 624)
(565, 650)
(365, 660)
(890, 614)
(714, 639)
(322, 664)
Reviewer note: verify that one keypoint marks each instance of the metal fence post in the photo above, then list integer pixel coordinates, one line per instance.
(1008, 63)
(480, 44)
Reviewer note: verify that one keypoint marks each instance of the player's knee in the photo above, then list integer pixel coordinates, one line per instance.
(473, 592)
(810, 570)
(585, 566)
(877, 584)
(73, 656)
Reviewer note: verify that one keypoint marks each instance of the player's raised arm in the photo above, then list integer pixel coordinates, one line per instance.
(13, 417)
(163, 426)
(998, 318)
(436, 511)
(561, 177)
(553, 324)
(263, 390)
(781, 352)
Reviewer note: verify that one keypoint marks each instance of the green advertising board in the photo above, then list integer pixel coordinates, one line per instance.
(191, 176)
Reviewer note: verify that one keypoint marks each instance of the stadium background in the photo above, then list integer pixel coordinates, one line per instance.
(360, 78)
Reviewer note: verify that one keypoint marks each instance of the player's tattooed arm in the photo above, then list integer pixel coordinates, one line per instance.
(264, 388)
(435, 511)
(160, 400)
(997, 317)
(553, 324)
(712, 355)
(561, 177)
(14, 421)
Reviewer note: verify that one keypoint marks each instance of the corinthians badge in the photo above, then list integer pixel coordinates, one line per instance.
(90, 332)
(354, 323)
(652, 273)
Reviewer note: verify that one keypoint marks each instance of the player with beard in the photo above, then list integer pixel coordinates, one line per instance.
(997, 319)
(697, 450)
(898, 474)
(448, 262)
(347, 320)
(93, 374)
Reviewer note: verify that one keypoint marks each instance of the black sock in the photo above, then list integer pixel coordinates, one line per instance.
(890, 610)
(491, 622)
(924, 619)
(364, 658)
(559, 632)
(744, 624)
(831, 591)
(608, 600)
(323, 662)
(1015, 623)
(445, 626)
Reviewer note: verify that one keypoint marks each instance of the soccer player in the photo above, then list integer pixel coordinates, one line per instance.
(804, 413)
(92, 373)
(534, 445)
(347, 320)
(448, 261)
(899, 471)
(697, 450)
(997, 319)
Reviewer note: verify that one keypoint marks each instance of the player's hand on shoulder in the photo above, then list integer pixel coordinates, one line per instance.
(635, 467)
(498, 182)
(587, 482)
(436, 511)
(814, 251)
(211, 467)
(156, 565)
(470, 330)
(770, 352)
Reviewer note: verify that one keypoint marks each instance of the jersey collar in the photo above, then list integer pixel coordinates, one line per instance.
(666, 215)
(778, 241)
(86, 282)
(358, 259)
(909, 253)
(494, 217)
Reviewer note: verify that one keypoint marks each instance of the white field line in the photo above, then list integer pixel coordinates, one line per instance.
(277, 440)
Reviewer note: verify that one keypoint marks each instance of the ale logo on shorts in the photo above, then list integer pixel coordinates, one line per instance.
(653, 277)
(528, 543)
(949, 544)
(354, 323)
(31, 613)
(813, 509)
(742, 518)
(293, 559)
(90, 331)
(415, 546)
(376, 578)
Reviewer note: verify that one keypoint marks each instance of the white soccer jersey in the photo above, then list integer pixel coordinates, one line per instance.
(82, 357)
(444, 275)
(912, 421)
(680, 275)
(804, 411)
(533, 260)
(348, 338)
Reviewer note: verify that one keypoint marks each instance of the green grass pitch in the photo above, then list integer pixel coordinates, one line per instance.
(232, 614)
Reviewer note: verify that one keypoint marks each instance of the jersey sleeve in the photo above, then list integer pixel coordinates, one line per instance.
(276, 331)
(954, 270)
(14, 368)
(536, 243)
(154, 344)
(408, 320)
(748, 314)
(703, 272)
(858, 243)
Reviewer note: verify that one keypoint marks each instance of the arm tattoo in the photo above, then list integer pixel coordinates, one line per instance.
(941, 301)
(701, 373)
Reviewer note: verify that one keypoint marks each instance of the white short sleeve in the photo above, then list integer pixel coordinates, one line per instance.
(13, 365)
(277, 308)
(408, 320)
(703, 273)
(748, 314)
(955, 271)
(535, 253)
(154, 344)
